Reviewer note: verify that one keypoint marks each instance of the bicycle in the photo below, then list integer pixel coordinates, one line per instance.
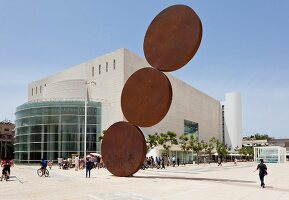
(42, 172)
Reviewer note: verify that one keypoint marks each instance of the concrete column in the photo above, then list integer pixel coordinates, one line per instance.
(233, 119)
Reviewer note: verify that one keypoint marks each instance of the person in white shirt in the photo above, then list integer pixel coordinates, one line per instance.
(76, 163)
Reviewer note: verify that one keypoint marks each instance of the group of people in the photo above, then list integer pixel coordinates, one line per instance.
(159, 162)
(81, 163)
(220, 161)
(65, 164)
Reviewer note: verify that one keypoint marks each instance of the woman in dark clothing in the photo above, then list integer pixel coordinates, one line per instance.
(262, 172)
(88, 167)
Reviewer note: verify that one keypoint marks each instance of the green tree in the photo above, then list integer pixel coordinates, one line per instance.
(259, 136)
(185, 146)
(167, 140)
(152, 141)
(196, 146)
(220, 148)
(9, 151)
(246, 151)
(208, 148)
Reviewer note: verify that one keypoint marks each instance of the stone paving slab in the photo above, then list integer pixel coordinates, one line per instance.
(184, 182)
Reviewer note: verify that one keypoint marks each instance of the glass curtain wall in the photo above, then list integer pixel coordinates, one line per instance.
(190, 128)
(270, 154)
(55, 129)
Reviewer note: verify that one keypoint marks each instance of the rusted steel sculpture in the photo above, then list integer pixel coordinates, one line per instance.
(146, 97)
(171, 41)
(123, 149)
(173, 38)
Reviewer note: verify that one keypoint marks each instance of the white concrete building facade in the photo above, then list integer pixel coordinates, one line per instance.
(191, 111)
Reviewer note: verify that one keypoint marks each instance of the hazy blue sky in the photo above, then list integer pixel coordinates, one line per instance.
(245, 48)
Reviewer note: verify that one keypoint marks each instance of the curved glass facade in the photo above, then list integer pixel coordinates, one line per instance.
(55, 129)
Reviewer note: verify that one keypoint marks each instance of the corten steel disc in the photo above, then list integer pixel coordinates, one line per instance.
(173, 38)
(146, 97)
(123, 149)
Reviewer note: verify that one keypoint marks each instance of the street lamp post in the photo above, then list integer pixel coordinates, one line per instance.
(85, 113)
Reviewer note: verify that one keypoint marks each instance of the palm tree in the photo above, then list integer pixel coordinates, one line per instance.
(185, 146)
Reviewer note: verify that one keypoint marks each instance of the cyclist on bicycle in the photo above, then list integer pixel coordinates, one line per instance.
(43, 164)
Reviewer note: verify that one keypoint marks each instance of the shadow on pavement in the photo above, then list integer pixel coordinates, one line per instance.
(10, 178)
(242, 183)
(276, 189)
(194, 178)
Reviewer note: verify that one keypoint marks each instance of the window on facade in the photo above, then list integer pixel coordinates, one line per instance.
(223, 123)
(32, 91)
(114, 64)
(92, 71)
(99, 69)
(40, 87)
(36, 90)
(191, 127)
(106, 67)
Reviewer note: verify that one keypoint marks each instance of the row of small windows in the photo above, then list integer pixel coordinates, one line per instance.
(36, 89)
(99, 72)
(99, 68)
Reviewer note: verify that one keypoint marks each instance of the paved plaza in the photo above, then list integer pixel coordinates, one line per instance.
(208, 182)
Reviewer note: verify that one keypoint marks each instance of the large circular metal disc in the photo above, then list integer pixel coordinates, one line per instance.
(123, 149)
(146, 97)
(173, 38)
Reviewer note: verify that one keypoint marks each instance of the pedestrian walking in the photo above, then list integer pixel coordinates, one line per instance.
(98, 162)
(235, 161)
(102, 163)
(174, 161)
(81, 163)
(168, 161)
(156, 162)
(76, 163)
(59, 161)
(262, 172)
(178, 161)
(50, 164)
(88, 167)
(219, 162)
(163, 163)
